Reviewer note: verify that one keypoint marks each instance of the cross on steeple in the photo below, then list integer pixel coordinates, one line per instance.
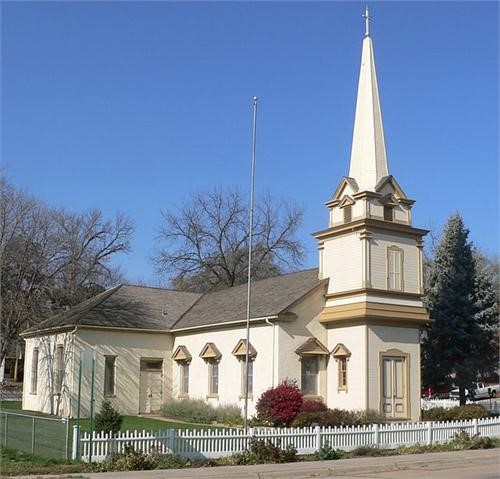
(367, 18)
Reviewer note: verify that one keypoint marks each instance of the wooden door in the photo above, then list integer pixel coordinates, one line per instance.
(394, 387)
(150, 386)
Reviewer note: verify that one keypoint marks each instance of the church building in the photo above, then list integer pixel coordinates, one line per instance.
(348, 331)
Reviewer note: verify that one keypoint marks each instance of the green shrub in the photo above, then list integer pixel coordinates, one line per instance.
(171, 461)
(198, 411)
(469, 411)
(108, 419)
(129, 460)
(337, 418)
(265, 452)
(368, 451)
(327, 453)
(437, 414)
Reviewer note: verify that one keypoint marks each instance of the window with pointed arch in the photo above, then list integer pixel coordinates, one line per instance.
(394, 268)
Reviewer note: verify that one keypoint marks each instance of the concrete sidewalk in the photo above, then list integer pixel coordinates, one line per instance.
(431, 465)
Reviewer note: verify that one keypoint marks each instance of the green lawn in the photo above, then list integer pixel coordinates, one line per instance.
(130, 423)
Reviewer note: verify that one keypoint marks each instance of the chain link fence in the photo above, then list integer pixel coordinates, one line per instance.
(42, 436)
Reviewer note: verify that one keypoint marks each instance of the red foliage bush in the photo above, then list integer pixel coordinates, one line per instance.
(280, 405)
(313, 405)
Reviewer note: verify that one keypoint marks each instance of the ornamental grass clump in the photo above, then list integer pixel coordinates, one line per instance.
(198, 411)
(280, 405)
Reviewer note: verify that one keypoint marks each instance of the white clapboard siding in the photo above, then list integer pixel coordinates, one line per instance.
(213, 443)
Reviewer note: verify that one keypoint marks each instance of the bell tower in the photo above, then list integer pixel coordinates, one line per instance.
(372, 256)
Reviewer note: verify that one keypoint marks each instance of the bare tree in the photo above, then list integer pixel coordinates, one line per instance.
(51, 259)
(204, 244)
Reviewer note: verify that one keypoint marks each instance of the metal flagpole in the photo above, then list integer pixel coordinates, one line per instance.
(249, 278)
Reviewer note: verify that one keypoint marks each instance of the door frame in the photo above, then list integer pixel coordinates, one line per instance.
(397, 354)
(160, 371)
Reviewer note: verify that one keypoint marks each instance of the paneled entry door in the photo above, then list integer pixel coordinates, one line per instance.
(394, 387)
(150, 385)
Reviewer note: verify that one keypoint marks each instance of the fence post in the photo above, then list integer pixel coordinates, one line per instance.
(475, 427)
(33, 435)
(376, 440)
(74, 448)
(66, 442)
(318, 438)
(5, 431)
(429, 433)
(171, 440)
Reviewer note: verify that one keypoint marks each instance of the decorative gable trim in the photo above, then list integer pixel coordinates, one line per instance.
(399, 193)
(182, 354)
(346, 201)
(389, 200)
(241, 349)
(344, 183)
(340, 351)
(312, 346)
(210, 351)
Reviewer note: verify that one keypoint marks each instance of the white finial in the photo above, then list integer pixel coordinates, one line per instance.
(367, 18)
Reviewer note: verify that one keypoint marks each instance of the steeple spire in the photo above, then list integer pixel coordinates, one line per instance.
(368, 156)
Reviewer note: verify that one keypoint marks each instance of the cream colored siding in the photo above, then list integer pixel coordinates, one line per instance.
(129, 348)
(229, 387)
(49, 398)
(354, 339)
(378, 255)
(383, 338)
(400, 215)
(342, 263)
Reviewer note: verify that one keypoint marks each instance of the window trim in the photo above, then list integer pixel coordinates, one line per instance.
(34, 371)
(317, 388)
(341, 383)
(212, 363)
(395, 249)
(58, 369)
(183, 366)
(347, 209)
(105, 392)
(243, 376)
(388, 209)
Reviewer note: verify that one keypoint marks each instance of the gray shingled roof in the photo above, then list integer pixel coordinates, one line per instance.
(125, 306)
(270, 297)
(139, 307)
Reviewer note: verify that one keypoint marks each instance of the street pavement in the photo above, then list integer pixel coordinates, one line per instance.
(479, 464)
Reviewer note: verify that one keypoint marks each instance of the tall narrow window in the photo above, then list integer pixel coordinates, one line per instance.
(58, 379)
(310, 375)
(213, 378)
(34, 371)
(109, 375)
(244, 376)
(184, 382)
(388, 213)
(342, 361)
(347, 213)
(394, 268)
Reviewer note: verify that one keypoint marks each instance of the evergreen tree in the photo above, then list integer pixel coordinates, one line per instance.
(459, 345)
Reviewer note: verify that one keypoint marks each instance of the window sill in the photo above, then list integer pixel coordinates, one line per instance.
(313, 397)
(110, 395)
(250, 397)
(341, 390)
(183, 396)
(212, 396)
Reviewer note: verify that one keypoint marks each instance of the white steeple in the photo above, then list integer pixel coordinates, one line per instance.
(368, 156)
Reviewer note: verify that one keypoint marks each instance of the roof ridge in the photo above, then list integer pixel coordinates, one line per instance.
(158, 287)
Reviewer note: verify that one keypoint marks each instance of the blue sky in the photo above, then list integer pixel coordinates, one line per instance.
(131, 106)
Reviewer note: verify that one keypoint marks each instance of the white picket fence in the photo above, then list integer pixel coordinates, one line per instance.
(212, 443)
